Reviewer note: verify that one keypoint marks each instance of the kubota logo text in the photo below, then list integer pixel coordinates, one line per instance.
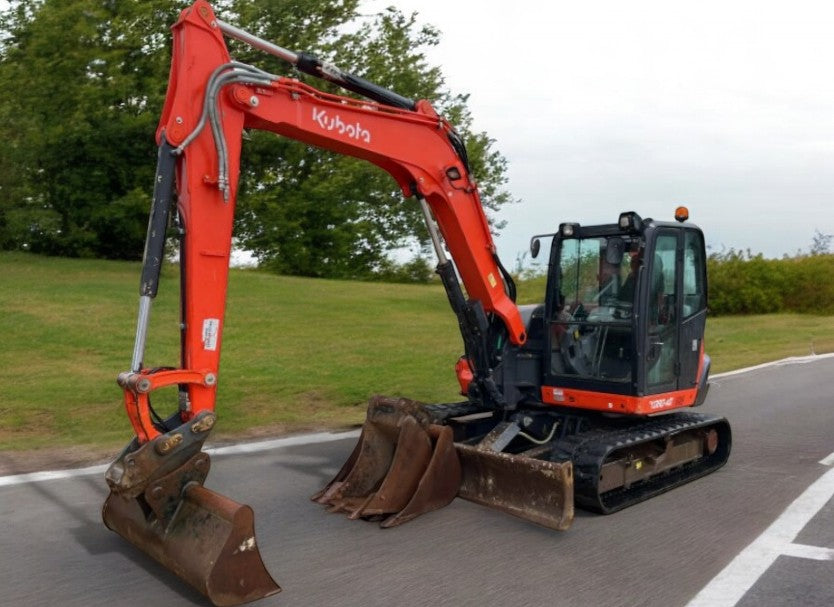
(335, 123)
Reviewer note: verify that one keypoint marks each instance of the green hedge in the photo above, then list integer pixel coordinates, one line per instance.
(742, 283)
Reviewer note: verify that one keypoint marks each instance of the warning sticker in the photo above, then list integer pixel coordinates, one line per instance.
(211, 326)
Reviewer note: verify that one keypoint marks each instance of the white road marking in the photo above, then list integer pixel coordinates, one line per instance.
(791, 360)
(729, 586)
(804, 551)
(50, 475)
(289, 441)
(828, 461)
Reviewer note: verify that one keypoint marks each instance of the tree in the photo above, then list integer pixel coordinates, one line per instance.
(821, 243)
(82, 83)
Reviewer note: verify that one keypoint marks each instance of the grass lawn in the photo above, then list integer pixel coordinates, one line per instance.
(297, 353)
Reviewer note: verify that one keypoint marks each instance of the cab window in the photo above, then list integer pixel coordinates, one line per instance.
(694, 293)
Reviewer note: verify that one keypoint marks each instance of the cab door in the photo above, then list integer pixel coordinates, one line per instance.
(660, 302)
(693, 308)
(675, 296)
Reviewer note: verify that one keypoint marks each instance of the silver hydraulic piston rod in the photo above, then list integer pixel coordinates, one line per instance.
(310, 64)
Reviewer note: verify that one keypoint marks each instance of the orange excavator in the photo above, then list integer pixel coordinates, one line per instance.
(574, 401)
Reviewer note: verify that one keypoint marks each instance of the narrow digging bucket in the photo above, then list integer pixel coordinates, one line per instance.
(403, 466)
(536, 490)
(208, 540)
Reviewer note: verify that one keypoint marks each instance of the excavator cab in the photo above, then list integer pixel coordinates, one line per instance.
(626, 312)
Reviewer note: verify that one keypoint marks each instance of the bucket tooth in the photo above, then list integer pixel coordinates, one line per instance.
(398, 468)
(438, 485)
(360, 495)
(375, 451)
(355, 506)
(326, 493)
(205, 538)
(411, 458)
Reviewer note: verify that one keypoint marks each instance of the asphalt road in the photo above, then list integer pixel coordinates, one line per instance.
(55, 551)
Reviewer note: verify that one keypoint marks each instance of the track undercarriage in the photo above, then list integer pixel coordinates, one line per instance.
(534, 463)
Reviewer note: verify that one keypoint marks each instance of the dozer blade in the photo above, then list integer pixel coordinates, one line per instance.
(536, 490)
(206, 539)
(402, 467)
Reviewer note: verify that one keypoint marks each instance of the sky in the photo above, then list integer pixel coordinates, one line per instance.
(606, 106)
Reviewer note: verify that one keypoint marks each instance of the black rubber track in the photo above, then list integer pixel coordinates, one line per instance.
(589, 450)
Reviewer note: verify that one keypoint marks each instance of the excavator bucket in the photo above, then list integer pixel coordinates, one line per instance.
(206, 539)
(404, 466)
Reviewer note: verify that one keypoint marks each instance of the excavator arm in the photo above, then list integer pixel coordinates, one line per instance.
(200, 142)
